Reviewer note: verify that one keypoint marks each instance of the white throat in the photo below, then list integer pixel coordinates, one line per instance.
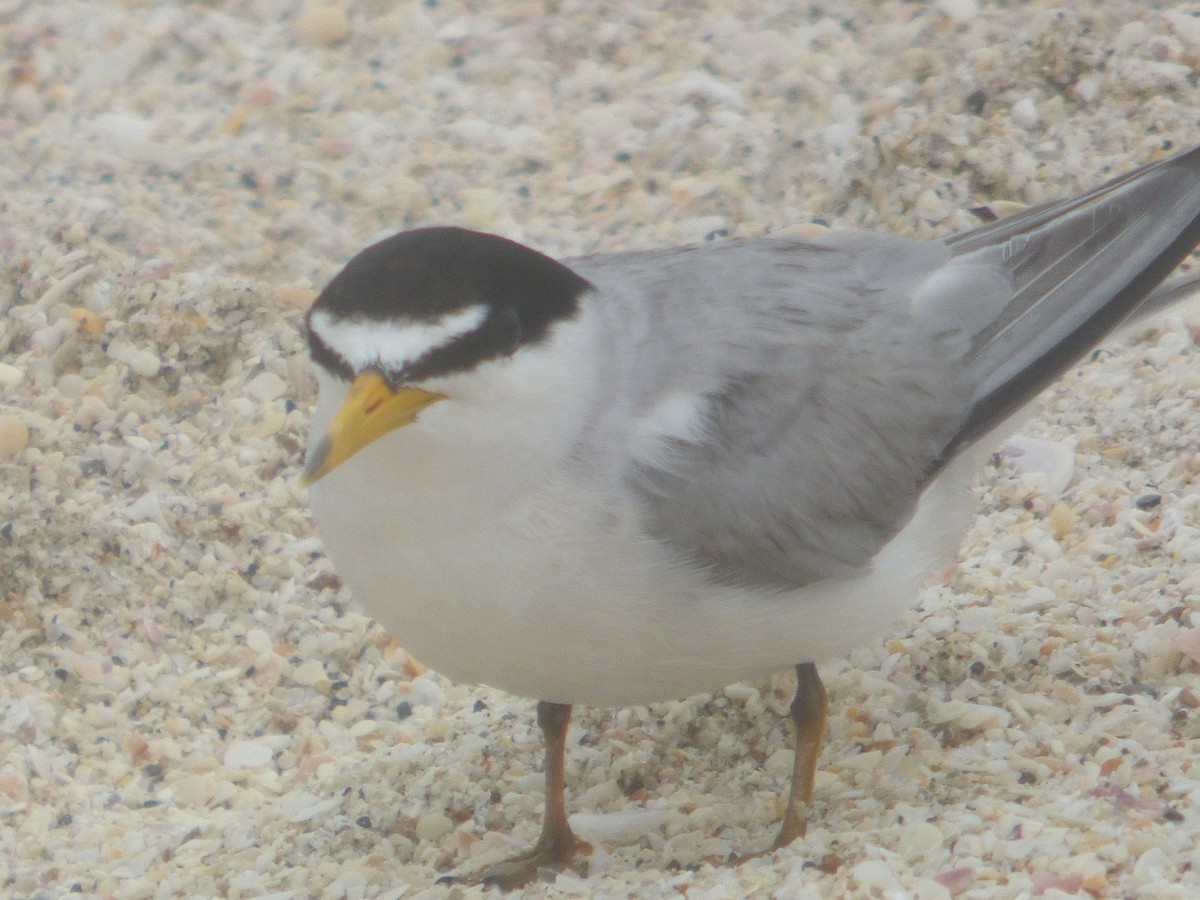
(505, 425)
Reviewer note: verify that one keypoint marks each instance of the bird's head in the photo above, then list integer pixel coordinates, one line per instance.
(410, 313)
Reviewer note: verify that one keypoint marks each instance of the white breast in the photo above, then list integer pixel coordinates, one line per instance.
(546, 586)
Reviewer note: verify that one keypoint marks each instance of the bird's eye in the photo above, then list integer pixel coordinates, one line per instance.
(508, 331)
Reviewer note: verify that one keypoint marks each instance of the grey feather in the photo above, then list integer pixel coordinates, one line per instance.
(839, 375)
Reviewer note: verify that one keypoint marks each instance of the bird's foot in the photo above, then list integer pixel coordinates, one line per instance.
(794, 825)
(792, 829)
(555, 854)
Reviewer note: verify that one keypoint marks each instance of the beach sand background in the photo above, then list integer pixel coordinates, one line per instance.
(190, 706)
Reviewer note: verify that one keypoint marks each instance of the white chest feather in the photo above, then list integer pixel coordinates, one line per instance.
(535, 577)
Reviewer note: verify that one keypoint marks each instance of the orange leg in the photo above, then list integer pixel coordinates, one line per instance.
(557, 845)
(809, 713)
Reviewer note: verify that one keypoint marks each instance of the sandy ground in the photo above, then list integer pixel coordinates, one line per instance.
(189, 704)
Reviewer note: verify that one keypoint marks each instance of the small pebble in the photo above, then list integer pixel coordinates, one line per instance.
(196, 790)
(46, 340)
(266, 386)
(741, 692)
(145, 363)
(247, 755)
(91, 412)
(1052, 459)
(71, 385)
(10, 376)
(1087, 89)
(309, 673)
(921, 839)
(930, 207)
(314, 810)
(621, 827)
(875, 875)
(14, 437)
(1062, 520)
(258, 640)
(296, 296)
(142, 361)
(1188, 643)
(955, 880)
(86, 320)
(1025, 113)
(960, 11)
(433, 826)
(321, 25)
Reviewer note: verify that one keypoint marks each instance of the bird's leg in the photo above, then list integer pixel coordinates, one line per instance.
(557, 842)
(557, 845)
(808, 712)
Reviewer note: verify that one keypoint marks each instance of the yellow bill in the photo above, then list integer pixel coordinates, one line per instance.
(371, 409)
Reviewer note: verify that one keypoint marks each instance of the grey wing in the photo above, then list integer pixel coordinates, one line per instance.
(819, 404)
(837, 378)
(788, 484)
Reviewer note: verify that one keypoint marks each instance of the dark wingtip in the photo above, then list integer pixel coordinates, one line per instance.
(992, 409)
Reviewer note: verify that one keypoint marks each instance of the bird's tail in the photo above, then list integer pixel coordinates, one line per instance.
(1075, 270)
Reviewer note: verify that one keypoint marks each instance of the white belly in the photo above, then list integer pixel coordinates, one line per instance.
(560, 597)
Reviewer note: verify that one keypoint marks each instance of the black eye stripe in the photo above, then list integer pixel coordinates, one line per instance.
(498, 336)
(324, 357)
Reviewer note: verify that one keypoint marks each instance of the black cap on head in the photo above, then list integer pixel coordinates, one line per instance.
(425, 275)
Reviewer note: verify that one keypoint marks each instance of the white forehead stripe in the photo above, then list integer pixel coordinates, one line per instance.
(392, 345)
